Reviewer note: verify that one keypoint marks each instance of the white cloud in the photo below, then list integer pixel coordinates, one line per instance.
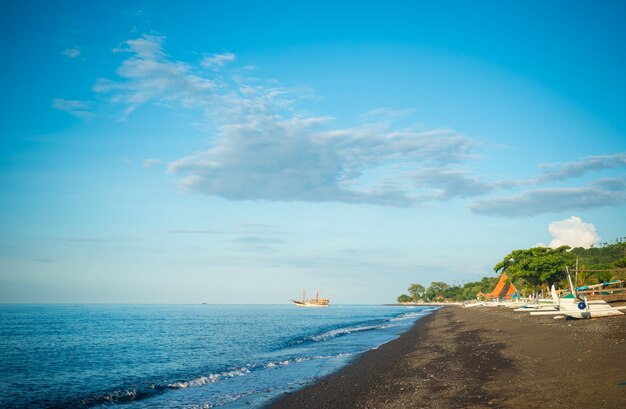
(150, 75)
(297, 159)
(148, 163)
(71, 52)
(217, 60)
(263, 146)
(560, 171)
(81, 109)
(604, 192)
(573, 232)
(449, 183)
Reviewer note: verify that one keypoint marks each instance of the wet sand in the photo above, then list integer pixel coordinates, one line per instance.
(483, 357)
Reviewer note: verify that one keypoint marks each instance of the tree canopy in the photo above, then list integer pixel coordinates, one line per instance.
(416, 291)
(530, 269)
(607, 256)
(436, 288)
(537, 266)
(455, 292)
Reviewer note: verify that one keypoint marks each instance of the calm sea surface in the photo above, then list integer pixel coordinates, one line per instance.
(180, 356)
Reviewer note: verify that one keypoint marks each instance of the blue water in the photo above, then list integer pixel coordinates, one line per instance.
(180, 356)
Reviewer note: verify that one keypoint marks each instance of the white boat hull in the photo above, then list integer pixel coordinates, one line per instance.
(311, 305)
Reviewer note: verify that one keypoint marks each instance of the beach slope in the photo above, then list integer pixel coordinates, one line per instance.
(482, 357)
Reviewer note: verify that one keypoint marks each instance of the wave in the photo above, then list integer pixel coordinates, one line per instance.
(134, 393)
(344, 331)
(211, 378)
(408, 315)
(276, 364)
(360, 327)
(122, 396)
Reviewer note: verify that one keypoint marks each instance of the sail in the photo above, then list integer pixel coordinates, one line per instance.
(504, 289)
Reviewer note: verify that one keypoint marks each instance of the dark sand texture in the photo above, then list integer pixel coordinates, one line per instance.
(483, 357)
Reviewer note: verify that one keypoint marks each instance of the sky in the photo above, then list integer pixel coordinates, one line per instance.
(241, 151)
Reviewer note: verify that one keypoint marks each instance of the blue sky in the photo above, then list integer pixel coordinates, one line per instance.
(185, 152)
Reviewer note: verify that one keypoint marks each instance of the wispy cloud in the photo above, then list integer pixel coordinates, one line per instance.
(196, 231)
(83, 239)
(264, 146)
(150, 75)
(450, 183)
(71, 52)
(148, 163)
(257, 244)
(245, 230)
(87, 239)
(80, 109)
(561, 171)
(605, 192)
(217, 60)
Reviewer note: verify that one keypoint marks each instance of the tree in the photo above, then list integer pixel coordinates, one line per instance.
(537, 266)
(416, 291)
(404, 298)
(436, 288)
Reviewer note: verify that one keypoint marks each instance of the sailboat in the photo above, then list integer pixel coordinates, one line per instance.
(313, 302)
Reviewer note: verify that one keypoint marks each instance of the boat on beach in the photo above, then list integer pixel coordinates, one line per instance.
(611, 291)
(576, 306)
(313, 302)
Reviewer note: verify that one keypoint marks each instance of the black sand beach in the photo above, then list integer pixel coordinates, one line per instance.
(483, 357)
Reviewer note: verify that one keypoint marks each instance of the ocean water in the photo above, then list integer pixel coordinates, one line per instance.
(180, 356)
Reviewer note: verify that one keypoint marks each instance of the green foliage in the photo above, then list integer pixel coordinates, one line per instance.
(537, 266)
(469, 290)
(436, 289)
(602, 258)
(416, 291)
(531, 269)
(456, 293)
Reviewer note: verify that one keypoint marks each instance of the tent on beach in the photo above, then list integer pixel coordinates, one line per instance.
(503, 290)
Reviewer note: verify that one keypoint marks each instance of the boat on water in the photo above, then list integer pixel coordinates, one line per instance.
(313, 302)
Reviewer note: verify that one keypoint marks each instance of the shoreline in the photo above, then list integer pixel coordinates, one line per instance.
(488, 357)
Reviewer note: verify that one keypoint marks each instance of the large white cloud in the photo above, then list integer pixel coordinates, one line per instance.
(573, 232)
(263, 145)
(298, 159)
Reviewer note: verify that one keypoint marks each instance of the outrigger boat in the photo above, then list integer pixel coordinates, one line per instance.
(610, 291)
(313, 302)
(575, 306)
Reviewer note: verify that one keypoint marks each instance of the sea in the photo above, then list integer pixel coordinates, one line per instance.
(181, 356)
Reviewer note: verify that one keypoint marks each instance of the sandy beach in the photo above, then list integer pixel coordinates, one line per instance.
(483, 357)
